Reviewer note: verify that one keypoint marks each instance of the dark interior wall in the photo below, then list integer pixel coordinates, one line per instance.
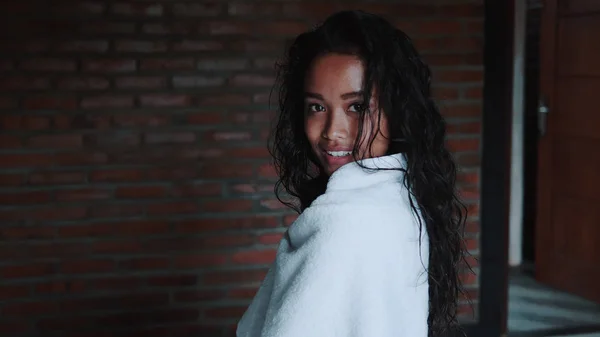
(135, 187)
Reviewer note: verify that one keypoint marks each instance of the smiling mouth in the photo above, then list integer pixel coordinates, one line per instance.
(338, 153)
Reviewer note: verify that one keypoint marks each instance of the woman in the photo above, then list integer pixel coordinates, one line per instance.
(360, 144)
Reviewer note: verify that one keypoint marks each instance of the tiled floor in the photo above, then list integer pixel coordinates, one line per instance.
(536, 310)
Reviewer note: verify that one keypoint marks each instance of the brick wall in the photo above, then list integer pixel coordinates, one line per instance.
(135, 186)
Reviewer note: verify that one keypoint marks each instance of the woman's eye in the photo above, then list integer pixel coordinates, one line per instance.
(315, 108)
(357, 107)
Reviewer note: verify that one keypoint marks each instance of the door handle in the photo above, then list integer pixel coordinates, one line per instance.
(543, 111)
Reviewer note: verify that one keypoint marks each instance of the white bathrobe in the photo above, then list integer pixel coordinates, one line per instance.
(351, 266)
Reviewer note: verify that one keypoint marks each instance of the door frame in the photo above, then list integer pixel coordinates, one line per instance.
(498, 61)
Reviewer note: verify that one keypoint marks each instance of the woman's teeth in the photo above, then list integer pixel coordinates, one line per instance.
(339, 153)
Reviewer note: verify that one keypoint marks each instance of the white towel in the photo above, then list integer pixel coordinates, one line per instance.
(352, 266)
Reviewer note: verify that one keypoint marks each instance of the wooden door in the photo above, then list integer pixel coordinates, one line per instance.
(568, 216)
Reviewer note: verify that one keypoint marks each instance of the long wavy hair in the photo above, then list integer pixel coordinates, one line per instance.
(417, 129)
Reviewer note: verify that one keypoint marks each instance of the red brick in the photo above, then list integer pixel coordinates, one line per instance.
(27, 270)
(28, 309)
(138, 9)
(251, 188)
(175, 63)
(84, 46)
(24, 83)
(252, 45)
(475, 59)
(57, 141)
(147, 82)
(465, 128)
(22, 197)
(242, 293)
(251, 80)
(148, 120)
(25, 233)
(227, 206)
(14, 327)
(462, 110)
(173, 280)
(170, 28)
(199, 261)
(144, 318)
(205, 118)
(225, 100)
(83, 194)
(140, 46)
(227, 136)
(460, 76)
(197, 46)
(473, 93)
(13, 291)
(48, 64)
(80, 8)
(225, 312)
(103, 102)
(116, 247)
(198, 9)
(474, 27)
(311, 9)
(173, 207)
(11, 179)
(169, 137)
(145, 263)
(197, 190)
(25, 160)
(113, 139)
(462, 10)
(197, 81)
(210, 64)
(289, 219)
(117, 283)
(165, 100)
(254, 9)
(232, 28)
(468, 159)
(223, 241)
(463, 144)
(58, 213)
(117, 210)
(110, 65)
(7, 103)
(446, 93)
(10, 142)
(472, 227)
(267, 171)
(469, 278)
(107, 28)
(254, 256)
(86, 266)
(270, 238)
(443, 60)
(198, 295)
(206, 225)
(234, 277)
(82, 158)
(122, 301)
(83, 83)
(61, 287)
(140, 192)
(50, 103)
(272, 204)
(116, 175)
(438, 27)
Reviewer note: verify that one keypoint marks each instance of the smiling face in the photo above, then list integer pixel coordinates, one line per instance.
(333, 102)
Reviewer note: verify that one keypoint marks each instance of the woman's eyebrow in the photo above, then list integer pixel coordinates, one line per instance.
(347, 95)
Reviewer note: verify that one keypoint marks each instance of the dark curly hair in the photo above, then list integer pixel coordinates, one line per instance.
(417, 129)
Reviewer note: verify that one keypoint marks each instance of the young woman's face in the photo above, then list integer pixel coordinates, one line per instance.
(333, 100)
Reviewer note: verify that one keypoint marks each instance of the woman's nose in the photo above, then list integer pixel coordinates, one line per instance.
(337, 126)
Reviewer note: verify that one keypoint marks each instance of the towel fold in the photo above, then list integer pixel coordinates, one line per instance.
(353, 264)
